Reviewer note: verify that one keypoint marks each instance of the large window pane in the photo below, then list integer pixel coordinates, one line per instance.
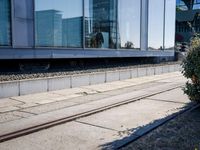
(100, 23)
(5, 27)
(129, 24)
(58, 23)
(156, 24)
(170, 8)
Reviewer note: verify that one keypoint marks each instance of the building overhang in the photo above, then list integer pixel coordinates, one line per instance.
(41, 53)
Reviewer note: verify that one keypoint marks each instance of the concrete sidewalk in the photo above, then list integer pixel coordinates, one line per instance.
(154, 98)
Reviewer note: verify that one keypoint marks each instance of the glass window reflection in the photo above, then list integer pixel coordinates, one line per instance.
(156, 24)
(184, 5)
(58, 23)
(100, 23)
(5, 27)
(169, 24)
(129, 24)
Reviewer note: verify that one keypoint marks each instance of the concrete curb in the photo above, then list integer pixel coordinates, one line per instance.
(24, 87)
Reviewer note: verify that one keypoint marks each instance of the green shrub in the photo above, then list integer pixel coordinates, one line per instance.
(191, 70)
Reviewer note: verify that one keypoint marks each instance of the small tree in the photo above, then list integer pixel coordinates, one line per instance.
(191, 69)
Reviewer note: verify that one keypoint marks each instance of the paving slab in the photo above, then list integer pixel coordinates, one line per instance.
(89, 98)
(39, 98)
(74, 92)
(69, 136)
(28, 105)
(14, 115)
(128, 89)
(174, 79)
(176, 96)
(116, 85)
(6, 102)
(133, 116)
(8, 109)
(163, 87)
(55, 96)
(16, 125)
(49, 107)
(5, 117)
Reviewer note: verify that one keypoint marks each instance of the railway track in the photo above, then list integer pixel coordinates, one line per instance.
(46, 125)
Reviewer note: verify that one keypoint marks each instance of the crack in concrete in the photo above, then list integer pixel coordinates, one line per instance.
(96, 126)
(17, 100)
(170, 101)
(27, 112)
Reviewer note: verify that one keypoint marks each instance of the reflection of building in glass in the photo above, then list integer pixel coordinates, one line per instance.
(5, 22)
(48, 28)
(187, 19)
(72, 32)
(114, 25)
(187, 4)
(103, 19)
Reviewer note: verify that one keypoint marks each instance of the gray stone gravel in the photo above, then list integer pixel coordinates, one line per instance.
(10, 76)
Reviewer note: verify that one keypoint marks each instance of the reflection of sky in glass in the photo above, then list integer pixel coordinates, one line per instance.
(169, 24)
(197, 6)
(155, 30)
(129, 22)
(182, 6)
(88, 4)
(5, 22)
(180, 2)
(68, 8)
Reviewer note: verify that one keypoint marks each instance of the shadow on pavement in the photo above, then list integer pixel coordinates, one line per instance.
(135, 133)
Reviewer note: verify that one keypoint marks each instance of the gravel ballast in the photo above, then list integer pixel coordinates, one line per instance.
(11, 76)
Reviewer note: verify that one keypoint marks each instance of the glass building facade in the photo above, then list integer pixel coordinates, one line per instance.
(108, 24)
(68, 25)
(187, 19)
(5, 23)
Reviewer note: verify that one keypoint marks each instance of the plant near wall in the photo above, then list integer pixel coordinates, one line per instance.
(191, 69)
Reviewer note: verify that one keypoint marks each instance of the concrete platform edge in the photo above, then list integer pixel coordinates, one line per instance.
(25, 87)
